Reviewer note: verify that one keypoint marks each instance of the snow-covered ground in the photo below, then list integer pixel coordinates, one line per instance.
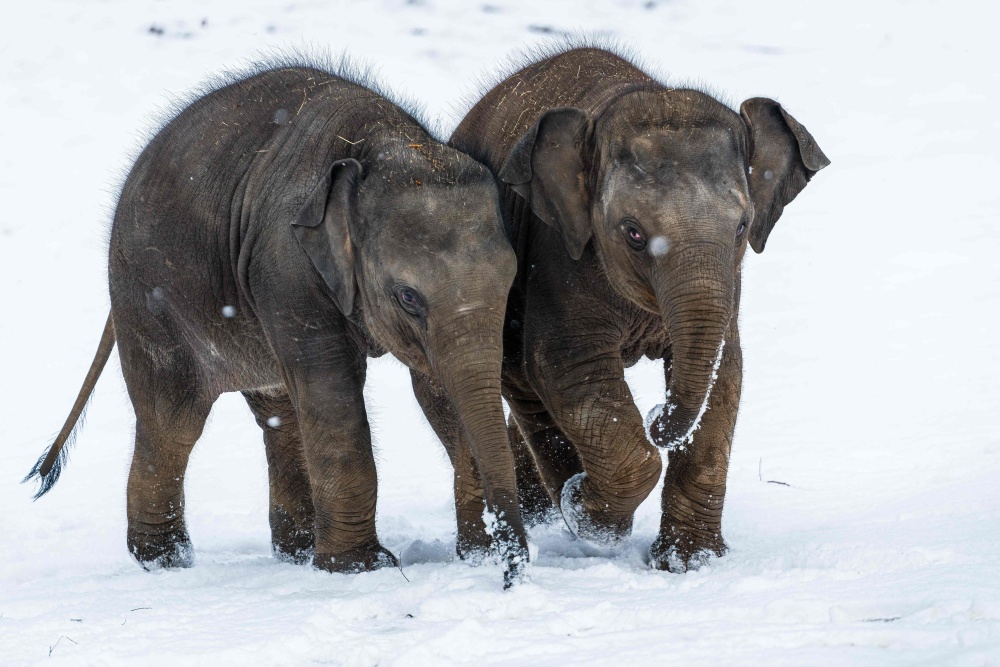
(869, 328)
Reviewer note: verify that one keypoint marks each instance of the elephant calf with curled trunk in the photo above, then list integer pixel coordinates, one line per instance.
(631, 205)
(272, 236)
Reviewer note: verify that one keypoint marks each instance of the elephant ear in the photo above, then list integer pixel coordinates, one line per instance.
(322, 228)
(547, 168)
(783, 157)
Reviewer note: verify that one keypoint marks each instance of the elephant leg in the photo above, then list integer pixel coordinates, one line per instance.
(472, 541)
(536, 504)
(593, 406)
(328, 397)
(291, 507)
(694, 488)
(543, 456)
(170, 412)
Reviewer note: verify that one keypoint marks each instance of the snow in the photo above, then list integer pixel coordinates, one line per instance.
(870, 386)
(569, 509)
(658, 246)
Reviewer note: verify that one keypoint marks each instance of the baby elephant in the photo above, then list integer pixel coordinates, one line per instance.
(631, 205)
(272, 236)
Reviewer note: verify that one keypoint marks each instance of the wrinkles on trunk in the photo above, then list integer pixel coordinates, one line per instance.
(695, 291)
(467, 364)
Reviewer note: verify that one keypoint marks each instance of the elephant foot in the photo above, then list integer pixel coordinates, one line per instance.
(472, 543)
(511, 545)
(536, 506)
(292, 541)
(296, 548)
(599, 528)
(472, 552)
(513, 556)
(515, 568)
(538, 512)
(476, 544)
(160, 551)
(362, 559)
(678, 550)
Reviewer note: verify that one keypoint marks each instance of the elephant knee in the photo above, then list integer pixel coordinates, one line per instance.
(636, 476)
(647, 471)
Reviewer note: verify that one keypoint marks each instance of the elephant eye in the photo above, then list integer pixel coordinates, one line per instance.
(741, 230)
(410, 300)
(633, 235)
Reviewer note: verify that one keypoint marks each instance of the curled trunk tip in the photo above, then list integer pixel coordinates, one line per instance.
(672, 425)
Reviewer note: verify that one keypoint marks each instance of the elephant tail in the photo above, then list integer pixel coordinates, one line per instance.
(48, 468)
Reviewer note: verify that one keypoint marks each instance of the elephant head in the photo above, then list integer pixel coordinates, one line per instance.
(669, 186)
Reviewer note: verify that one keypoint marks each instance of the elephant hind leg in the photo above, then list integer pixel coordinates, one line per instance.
(291, 506)
(545, 458)
(170, 411)
(537, 505)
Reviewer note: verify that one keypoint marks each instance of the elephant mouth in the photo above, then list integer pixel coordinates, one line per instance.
(672, 426)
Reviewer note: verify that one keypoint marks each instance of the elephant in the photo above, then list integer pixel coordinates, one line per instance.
(277, 232)
(631, 204)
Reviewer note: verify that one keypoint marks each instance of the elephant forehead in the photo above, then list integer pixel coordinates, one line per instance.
(630, 191)
(667, 154)
(432, 237)
(434, 215)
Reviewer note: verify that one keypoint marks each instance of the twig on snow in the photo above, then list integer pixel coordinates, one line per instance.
(61, 637)
(760, 473)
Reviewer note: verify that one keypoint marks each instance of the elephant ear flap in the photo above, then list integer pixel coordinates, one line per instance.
(783, 157)
(322, 228)
(547, 168)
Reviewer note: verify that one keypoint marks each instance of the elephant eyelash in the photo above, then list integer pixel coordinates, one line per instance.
(633, 234)
(409, 300)
(741, 229)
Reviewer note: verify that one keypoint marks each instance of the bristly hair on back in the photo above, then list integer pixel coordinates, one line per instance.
(344, 65)
(539, 51)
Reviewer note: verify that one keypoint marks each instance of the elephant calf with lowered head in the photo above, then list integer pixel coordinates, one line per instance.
(631, 205)
(277, 232)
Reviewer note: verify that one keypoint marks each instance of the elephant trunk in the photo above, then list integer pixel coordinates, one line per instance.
(468, 366)
(695, 294)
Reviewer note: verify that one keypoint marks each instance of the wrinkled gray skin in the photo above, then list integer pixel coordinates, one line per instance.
(631, 205)
(270, 238)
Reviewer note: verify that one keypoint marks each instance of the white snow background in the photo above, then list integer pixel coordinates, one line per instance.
(869, 330)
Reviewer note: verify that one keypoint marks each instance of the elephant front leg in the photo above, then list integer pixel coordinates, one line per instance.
(695, 485)
(336, 440)
(593, 407)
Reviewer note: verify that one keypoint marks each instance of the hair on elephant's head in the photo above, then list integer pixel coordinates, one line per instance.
(670, 185)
